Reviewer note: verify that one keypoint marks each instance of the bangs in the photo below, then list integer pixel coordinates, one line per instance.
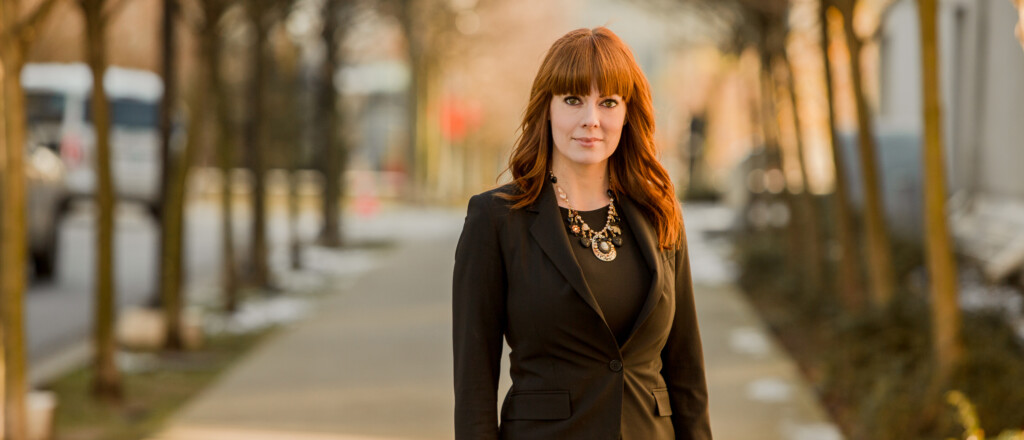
(591, 58)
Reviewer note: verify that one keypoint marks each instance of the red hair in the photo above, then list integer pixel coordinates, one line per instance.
(574, 63)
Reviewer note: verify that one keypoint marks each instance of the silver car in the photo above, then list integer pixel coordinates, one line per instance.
(134, 104)
(47, 195)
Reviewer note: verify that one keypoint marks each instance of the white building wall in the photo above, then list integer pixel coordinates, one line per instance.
(1001, 154)
(982, 89)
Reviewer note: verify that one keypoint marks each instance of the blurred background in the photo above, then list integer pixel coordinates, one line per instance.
(227, 219)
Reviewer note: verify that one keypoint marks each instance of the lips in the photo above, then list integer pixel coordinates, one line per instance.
(587, 141)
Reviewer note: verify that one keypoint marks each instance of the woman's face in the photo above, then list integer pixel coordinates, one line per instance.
(586, 129)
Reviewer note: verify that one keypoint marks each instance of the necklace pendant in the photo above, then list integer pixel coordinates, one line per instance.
(585, 242)
(603, 249)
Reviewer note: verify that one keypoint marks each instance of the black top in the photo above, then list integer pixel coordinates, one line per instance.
(619, 286)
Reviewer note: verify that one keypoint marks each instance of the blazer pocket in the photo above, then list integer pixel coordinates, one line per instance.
(661, 401)
(539, 405)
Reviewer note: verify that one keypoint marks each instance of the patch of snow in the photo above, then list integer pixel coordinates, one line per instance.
(769, 389)
(811, 431)
(749, 340)
(254, 315)
(709, 261)
(976, 294)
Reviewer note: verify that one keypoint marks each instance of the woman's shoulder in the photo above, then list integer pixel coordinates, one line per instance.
(496, 197)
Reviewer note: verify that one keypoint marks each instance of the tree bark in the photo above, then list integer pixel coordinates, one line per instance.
(879, 249)
(946, 321)
(773, 157)
(808, 209)
(259, 270)
(849, 283)
(170, 211)
(13, 242)
(329, 116)
(107, 379)
(174, 299)
(214, 12)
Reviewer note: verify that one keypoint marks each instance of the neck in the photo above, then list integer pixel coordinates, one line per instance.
(585, 185)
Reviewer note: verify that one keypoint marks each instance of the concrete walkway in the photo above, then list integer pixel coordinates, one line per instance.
(373, 362)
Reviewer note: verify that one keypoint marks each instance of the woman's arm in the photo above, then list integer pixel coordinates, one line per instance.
(478, 322)
(683, 360)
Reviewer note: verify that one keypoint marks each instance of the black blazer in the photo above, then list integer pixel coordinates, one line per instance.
(516, 277)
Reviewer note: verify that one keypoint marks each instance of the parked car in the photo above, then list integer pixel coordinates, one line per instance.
(46, 180)
(46, 203)
(64, 90)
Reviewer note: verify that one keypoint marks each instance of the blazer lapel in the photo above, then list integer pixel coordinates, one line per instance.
(548, 230)
(648, 241)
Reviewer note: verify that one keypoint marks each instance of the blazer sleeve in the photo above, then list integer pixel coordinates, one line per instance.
(683, 360)
(478, 322)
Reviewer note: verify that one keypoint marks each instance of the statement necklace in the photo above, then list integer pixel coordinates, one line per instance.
(602, 242)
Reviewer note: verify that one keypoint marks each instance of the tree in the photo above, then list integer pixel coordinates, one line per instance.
(260, 14)
(107, 379)
(807, 214)
(946, 320)
(429, 30)
(848, 280)
(170, 211)
(335, 14)
(16, 33)
(213, 13)
(878, 247)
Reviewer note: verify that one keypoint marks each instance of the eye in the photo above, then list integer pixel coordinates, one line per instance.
(610, 103)
(572, 100)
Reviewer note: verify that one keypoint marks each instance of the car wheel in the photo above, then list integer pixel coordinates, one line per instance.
(44, 261)
(154, 209)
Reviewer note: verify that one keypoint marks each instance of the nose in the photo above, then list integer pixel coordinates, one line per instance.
(590, 116)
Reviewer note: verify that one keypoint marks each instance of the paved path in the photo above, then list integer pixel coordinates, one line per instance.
(374, 361)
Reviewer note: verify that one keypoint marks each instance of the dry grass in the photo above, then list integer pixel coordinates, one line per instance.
(150, 397)
(872, 369)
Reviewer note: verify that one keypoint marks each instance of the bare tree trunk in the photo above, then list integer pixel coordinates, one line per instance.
(13, 234)
(175, 211)
(849, 283)
(107, 381)
(773, 156)
(167, 103)
(14, 44)
(808, 210)
(3, 273)
(879, 249)
(259, 271)
(214, 12)
(329, 116)
(946, 320)
(170, 222)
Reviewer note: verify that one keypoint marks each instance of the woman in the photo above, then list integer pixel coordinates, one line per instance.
(581, 265)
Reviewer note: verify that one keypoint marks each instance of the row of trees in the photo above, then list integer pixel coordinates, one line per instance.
(212, 110)
(764, 26)
(240, 100)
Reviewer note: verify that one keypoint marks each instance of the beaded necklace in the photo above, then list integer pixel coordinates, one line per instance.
(602, 242)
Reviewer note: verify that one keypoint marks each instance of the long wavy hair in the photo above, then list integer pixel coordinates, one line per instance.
(574, 63)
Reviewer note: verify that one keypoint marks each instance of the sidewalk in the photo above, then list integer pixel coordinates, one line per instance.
(373, 362)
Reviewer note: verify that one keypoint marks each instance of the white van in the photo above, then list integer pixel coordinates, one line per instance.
(65, 90)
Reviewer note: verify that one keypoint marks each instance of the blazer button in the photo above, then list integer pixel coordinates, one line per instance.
(615, 365)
